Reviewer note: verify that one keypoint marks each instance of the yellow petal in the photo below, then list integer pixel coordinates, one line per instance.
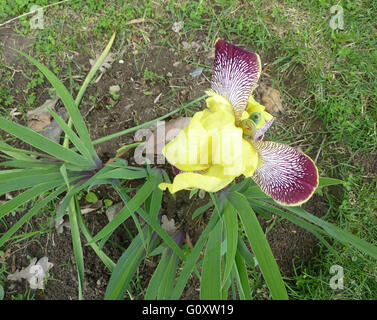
(211, 181)
(250, 158)
(217, 102)
(185, 151)
(203, 142)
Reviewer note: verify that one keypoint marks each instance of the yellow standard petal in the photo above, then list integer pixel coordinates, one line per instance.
(217, 102)
(189, 150)
(206, 139)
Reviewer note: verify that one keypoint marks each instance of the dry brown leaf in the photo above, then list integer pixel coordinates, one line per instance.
(41, 121)
(112, 211)
(158, 139)
(40, 118)
(106, 64)
(14, 113)
(5, 256)
(139, 20)
(168, 225)
(35, 273)
(271, 99)
(92, 207)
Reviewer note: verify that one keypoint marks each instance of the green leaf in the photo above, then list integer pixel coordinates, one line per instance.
(34, 210)
(190, 263)
(28, 164)
(167, 281)
(67, 100)
(26, 196)
(7, 175)
(245, 253)
(39, 141)
(210, 285)
(155, 224)
(104, 258)
(128, 209)
(91, 197)
(257, 205)
(201, 210)
(300, 222)
(255, 192)
(75, 189)
(122, 173)
(73, 212)
(242, 278)
(125, 268)
(156, 200)
(260, 246)
(19, 154)
(26, 182)
(155, 282)
(193, 192)
(81, 147)
(341, 235)
(325, 182)
(1, 292)
(231, 237)
(94, 69)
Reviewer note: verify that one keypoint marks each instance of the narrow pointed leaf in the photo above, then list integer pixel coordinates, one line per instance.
(210, 287)
(67, 100)
(127, 210)
(231, 233)
(39, 141)
(123, 173)
(26, 196)
(125, 268)
(81, 147)
(168, 278)
(260, 246)
(341, 235)
(34, 210)
(30, 164)
(154, 223)
(26, 182)
(154, 283)
(243, 280)
(73, 212)
(103, 256)
(190, 263)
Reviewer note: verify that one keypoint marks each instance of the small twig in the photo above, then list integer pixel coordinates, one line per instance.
(140, 20)
(188, 241)
(264, 70)
(320, 148)
(31, 12)
(89, 111)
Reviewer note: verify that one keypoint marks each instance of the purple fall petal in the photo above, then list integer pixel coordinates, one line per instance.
(286, 175)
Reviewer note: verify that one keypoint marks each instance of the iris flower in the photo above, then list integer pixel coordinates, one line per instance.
(224, 141)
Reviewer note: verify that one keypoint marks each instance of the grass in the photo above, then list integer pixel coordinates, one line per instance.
(326, 78)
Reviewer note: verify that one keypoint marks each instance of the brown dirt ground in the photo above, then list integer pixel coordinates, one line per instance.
(288, 242)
